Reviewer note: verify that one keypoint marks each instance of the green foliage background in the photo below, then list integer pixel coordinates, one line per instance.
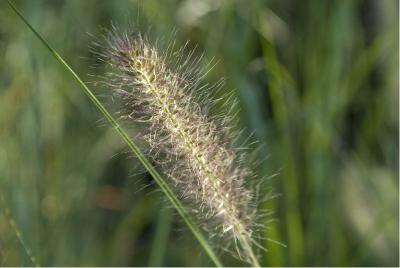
(317, 82)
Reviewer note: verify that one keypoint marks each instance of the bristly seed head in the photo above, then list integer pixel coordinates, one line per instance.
(194, 149)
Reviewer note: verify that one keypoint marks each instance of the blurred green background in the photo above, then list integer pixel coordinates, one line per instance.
(316, 80)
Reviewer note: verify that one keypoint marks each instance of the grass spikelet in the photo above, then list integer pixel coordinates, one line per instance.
(194, 149)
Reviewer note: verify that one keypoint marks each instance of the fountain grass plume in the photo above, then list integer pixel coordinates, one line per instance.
(162, 90)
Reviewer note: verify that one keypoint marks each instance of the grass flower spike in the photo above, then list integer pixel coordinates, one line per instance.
(195, 150)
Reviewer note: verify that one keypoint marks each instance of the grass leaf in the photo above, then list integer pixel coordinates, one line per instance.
(132, 146)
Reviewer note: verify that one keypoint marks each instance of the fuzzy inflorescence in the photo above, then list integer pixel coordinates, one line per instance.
(194, 149)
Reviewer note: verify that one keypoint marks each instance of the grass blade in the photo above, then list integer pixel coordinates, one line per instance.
(13, 224)
(161, 235)
(132, 146)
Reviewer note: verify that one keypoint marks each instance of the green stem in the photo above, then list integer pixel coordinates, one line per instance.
(247, 247)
